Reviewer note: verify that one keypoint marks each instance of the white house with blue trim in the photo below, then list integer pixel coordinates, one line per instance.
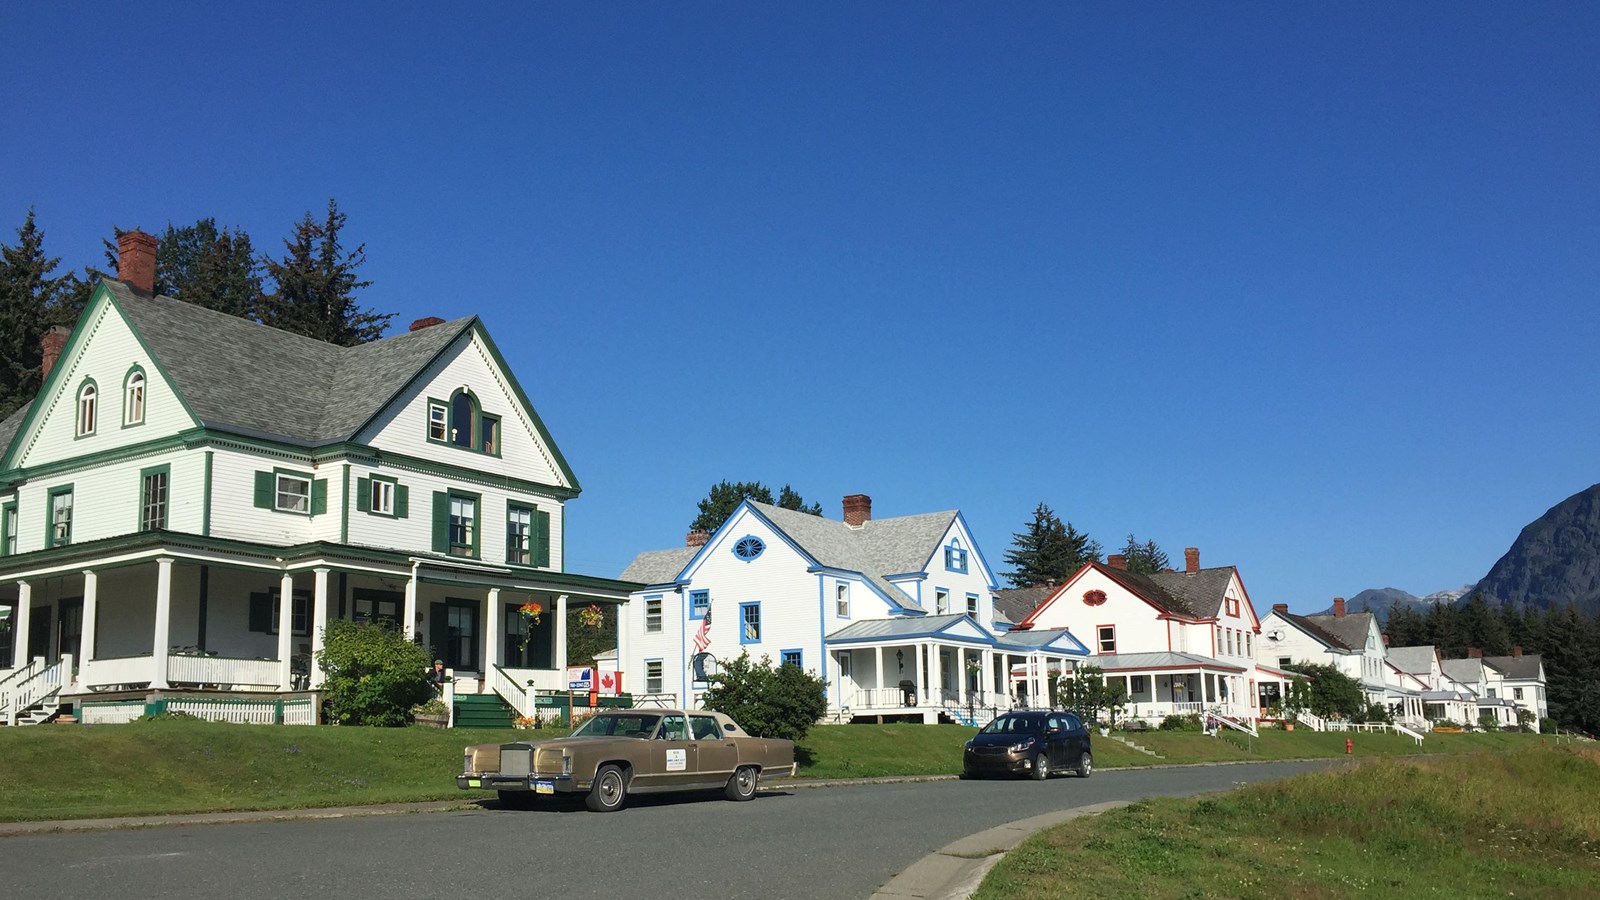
(896, 615)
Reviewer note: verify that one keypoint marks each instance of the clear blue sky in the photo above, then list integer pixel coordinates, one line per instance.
(1312, 289)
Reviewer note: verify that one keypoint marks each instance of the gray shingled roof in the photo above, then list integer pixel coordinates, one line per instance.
(1036, 639)
(1525, 667)
(1017, 603)
(879, 548)
(895, 626)
(1164, 660)
(246, 378)
(1464, 671)
(1412, 660)
(1347, 632)
(8, 428)
(1198, 595)
(659, 566)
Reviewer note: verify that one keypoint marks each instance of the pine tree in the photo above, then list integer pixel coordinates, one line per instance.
(789, 498)
(725, 497)
(1049, 551)
(1405, 627)
(1446, 631)
(30, 301)
(210, 267)
(316, 284)
(1145, 558)
(1484, 630)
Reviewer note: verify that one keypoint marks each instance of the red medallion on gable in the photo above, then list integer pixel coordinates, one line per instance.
(1094, 598)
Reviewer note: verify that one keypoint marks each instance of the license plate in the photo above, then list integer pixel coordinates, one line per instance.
(474, 782)
(544, 787)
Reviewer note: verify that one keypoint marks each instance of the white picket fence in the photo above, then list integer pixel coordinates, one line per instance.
(110, 712)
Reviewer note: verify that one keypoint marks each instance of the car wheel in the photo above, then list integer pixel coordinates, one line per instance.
(609, 791)
(1041, 767)
(1085, 765)
(516, 800)
(742, 786)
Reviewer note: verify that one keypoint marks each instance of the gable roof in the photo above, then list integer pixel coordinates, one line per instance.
(876, 550)
(1412, 660)
(9, 427)
(1463, 671)
(1347, 632)
(1189, 595)
(1015, 604)
(1526, 666)
(247, 378)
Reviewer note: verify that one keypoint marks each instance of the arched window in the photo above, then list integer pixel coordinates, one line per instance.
(133, 397)
(87, 397)
(464, 420)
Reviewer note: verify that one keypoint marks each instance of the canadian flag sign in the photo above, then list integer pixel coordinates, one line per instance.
(610, 683)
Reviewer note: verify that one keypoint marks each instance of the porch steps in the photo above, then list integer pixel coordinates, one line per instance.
(483, 711)
(1139, 747)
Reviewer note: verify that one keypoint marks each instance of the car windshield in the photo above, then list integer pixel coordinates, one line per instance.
(1024, 724)
(619, 725)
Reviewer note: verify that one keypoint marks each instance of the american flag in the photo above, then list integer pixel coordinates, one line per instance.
(702, 638)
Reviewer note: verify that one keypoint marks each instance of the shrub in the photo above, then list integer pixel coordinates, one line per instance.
(372, 676)
(1190, 722)
(1374, 713)
(782, 702)
(1333, 694)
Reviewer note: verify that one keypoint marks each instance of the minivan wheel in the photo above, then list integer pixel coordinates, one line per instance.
(1041, 767)
(1085, 765)
(609, 791)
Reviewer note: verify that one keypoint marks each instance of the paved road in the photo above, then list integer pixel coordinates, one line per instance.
(836, 843)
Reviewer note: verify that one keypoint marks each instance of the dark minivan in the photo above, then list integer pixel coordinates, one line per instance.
(1035, 742)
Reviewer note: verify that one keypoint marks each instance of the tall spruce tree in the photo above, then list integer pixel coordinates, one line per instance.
(1405, 627)
(210, 267)
(315, 284)
(1049, 551)
(30, 301)
(1484, 630)
(1146, 557)
(725, 497)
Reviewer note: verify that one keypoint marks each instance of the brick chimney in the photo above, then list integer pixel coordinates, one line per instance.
(1338, 607)
(1117, 561)
(697, 538)
(857, 510)
(1191, 559)
(1280, 608)
(1474, 653)
(1516, 651)
(428, 322)
(51, 343)
(136, 260)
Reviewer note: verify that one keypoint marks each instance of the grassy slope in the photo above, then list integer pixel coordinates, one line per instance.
(66, 772)
(1524, 823)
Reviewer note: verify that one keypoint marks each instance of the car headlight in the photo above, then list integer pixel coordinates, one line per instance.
(969, 745)
(1021, 746)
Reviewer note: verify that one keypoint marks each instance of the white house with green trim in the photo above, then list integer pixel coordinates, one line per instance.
(896, 615)
(192, 495)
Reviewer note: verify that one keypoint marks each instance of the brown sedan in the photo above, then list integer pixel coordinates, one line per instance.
(631, 751)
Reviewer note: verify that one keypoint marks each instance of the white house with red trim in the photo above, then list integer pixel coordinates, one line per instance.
(1180, 642)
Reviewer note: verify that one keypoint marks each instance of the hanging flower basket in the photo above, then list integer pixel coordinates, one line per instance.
(590, 616)
(531, 613)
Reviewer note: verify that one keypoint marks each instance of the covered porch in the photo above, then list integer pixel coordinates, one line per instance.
(1158, 685)
(198, 616)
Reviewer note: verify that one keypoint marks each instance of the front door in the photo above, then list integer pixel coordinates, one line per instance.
(69, 638)
(39, 632)
(453, 633)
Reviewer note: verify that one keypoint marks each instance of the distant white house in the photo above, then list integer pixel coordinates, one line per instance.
(1350, 642)
(1180, 642)
(1472, 675)
(1443, 699)
(896, 615)
(1520, 678)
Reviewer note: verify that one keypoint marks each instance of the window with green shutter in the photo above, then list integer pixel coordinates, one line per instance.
(285, 490)
(380, 496)
(456, 525)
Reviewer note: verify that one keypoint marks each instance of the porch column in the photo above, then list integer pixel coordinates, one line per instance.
(883, 680)
(936, 672)
(91, 608)
(411, 606)
(492, 627)
(163, 636)
(20, 621)
(319, 623)
(561, 635)
(986, 674)
(285, 629)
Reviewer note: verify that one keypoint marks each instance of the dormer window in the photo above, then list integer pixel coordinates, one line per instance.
(88, 399)
(133, 398)
(462, 422)
(955, 556)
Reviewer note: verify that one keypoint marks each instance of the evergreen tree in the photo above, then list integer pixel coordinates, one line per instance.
(1446, 631)
(210, 267)
(725, 497)
(1145, 558)
(1570, 646)
(1484, 630)
(1049, 551)
(1406, 627)
(30, 302)
(315, 285)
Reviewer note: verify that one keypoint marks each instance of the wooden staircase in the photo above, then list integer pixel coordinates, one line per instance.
(483, 711)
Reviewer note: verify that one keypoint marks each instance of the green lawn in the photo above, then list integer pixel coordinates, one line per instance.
(1521, 822)
(171, 766)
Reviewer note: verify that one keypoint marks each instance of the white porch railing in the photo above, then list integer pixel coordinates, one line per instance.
(16, 679)
(38, 689)
(106, 673)
(512, 691)
(1311, 720)
(223, 672)
(884, 698)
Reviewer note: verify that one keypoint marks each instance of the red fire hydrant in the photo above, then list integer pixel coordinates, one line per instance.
(1349, 747)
